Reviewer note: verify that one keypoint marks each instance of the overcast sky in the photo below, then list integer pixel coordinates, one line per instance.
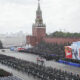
(19, 15)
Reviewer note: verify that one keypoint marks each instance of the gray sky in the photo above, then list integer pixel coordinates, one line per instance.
(19, 15)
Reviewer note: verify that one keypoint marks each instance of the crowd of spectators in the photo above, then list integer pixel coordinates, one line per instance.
(48, 50)
(71, 60)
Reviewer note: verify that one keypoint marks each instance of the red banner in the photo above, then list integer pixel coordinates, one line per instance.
(68, 52)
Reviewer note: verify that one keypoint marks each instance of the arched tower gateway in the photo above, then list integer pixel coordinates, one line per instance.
(39, 29)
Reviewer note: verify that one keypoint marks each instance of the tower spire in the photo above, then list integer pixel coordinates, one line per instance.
(38, 4)
(38, 1)
(39, 19)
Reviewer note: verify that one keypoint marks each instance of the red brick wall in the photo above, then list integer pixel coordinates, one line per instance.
(39, 31)
(34, 31)
(35, 40)
(31, 40)
(60, 40)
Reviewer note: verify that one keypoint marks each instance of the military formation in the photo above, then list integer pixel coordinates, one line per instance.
(4, 75)
(9, 78)
(37, 71)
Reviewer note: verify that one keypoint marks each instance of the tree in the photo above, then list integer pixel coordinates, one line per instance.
(1, 45)
(64, 34)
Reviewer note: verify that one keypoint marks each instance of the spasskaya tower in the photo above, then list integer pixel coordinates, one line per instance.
(38, 28)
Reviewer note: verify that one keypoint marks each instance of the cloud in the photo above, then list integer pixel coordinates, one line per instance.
(64, 14)
(13, 17)
(24, 2)
(18, 15)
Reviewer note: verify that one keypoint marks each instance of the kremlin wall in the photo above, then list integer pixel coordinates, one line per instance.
(39, 32)
(60, 40)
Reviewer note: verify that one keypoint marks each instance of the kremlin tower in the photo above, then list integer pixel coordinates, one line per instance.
(38, 28)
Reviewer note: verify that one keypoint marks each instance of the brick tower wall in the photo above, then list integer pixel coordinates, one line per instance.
(31, 40)
(39, 33)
